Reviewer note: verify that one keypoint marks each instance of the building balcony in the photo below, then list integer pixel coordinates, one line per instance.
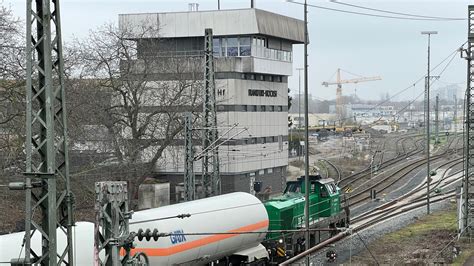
(191, 62)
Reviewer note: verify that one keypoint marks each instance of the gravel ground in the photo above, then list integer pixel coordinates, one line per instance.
(354, 244)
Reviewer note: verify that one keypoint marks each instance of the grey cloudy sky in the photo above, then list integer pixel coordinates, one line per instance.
(367, 46)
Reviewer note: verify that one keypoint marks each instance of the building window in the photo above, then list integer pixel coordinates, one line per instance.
(232, 46)
(250, 76)
(216, 46)
(223, 46)
(261, 172)
(269, 170)
(244, 46)
(280, 142)
(277, 78)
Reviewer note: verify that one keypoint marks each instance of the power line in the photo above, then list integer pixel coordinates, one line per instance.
(368, 14)
(450, 57)
(357, 233)
(395, 13)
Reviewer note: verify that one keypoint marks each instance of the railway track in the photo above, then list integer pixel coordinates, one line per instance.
(410, 201)
(390, 179)
(418, 194)
(345, 182)
(336, 171)
(419, 147)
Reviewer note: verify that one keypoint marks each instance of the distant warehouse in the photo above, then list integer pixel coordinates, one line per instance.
(253, 51)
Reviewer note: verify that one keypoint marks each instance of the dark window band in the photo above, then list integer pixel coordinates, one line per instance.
(251, 108)
(234, 142)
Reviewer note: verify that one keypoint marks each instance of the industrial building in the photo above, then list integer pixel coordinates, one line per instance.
(253, 52)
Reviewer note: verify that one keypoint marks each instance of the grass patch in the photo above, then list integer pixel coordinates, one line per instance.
(440, 220)
(424, 241)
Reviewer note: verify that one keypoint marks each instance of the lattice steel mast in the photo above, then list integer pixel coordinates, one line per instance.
(210, 161)
(189, 177)
(467, 205)
(437, 119)
(47, 166)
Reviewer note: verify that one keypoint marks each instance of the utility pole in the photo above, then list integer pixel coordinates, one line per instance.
(427, 122)
(210, 162)
(189, 178)
(437, 119)
(306, 140)
(299, 95)
(49, 200)
(299, 108)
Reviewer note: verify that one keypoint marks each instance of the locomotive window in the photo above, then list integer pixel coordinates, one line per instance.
(324, 192)
(331, 188)
(313, 187)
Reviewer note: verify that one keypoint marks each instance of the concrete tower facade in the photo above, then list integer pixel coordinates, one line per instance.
(253, 52)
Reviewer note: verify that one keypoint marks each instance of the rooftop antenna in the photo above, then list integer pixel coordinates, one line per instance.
(218, 4)
(252, 3)
(193, 7)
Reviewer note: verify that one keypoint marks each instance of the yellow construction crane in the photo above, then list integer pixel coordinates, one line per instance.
(339, 104)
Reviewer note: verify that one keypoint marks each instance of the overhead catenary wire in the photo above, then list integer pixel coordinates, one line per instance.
(450, 57)
(253, 232)
(394, 12)
(366, 247)
(371, 15)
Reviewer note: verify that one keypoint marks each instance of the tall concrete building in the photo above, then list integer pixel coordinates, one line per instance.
(253, 58)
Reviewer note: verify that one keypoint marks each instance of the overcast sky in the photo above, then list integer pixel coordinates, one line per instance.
(367, 46)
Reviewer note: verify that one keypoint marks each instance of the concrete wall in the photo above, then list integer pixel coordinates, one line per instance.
(153, 195)
(248, 64)
(274, 178)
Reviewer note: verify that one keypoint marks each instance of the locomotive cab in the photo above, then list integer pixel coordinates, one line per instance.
(286, 212)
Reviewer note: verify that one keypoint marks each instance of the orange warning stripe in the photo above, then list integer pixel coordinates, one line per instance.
(152, 252)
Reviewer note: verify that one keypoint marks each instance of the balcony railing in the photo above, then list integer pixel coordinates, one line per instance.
(260, 52)
(273, 54)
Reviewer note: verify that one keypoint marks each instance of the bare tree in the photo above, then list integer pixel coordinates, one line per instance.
(137, 99)
(12, 71)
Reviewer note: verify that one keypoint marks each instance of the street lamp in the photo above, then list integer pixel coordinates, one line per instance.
(427, 123)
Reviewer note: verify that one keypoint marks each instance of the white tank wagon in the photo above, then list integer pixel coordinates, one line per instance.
(83, 236)
(229, 213)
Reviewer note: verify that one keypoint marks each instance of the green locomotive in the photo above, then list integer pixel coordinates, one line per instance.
(286, 212)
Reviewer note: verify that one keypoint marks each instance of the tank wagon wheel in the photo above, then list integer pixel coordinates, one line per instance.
(141, 259)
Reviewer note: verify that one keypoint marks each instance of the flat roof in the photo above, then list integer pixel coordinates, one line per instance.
(223, 22)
